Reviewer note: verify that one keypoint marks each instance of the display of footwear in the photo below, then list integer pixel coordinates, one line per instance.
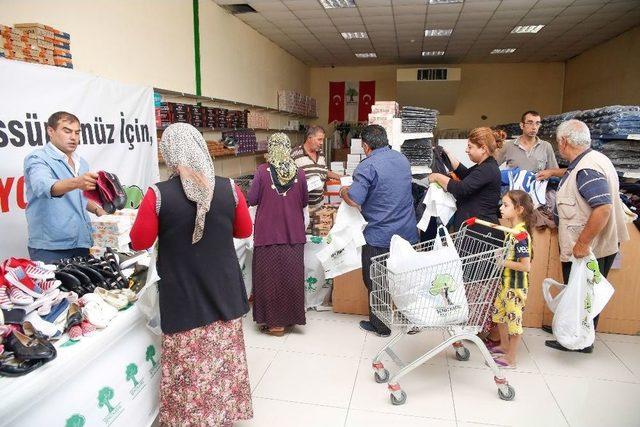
(13, 367)
(34, 270)
(5, 301)
(75, 333)
(128, 293)
(70, 282)
(34, 323)
(14, 316)
(57, 311)
(18, 277)
(19, 298)
(557, 346)
(49, 285)
(74, 316)
(87, 329)
(44, 301)
(30, 348)
(116, 299)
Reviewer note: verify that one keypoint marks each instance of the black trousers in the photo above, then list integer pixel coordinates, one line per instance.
(369, 252)
(604, 264)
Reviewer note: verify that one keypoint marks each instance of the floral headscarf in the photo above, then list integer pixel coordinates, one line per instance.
(185, 152)
(283, 168)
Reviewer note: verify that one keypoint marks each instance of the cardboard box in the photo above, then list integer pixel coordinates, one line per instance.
(350, 294)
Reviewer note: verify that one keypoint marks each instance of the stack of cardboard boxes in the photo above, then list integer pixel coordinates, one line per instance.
(258, 120)
(294, 102)
(112, 231)
(36, 43)
(383, 113)
(355, 156)
(322, 220)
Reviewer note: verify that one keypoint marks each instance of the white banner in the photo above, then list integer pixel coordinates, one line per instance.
(118, 133)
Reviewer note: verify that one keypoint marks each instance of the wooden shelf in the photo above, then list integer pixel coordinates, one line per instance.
(231, 103)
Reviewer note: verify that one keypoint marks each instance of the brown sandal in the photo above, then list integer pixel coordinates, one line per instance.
(265, 329)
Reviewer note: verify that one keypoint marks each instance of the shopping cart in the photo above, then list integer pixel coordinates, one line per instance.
(480, 265)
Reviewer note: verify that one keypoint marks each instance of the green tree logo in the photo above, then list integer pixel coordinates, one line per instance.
(104, 396)
(151, 351)
(316, 239)
(588, 303)
(311, 281)
(593, 267)
(76, 420)
(443, 283)
(134, 196)
(131, 372)
(351, 92)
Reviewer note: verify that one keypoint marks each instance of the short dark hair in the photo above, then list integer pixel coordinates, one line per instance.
(532, 112)
(312, 130)
(61, 116)
(374, 136)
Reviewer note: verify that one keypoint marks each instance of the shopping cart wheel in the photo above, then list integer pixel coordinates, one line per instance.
(399, 401)
(509, 395)
(381, 378)
(462, 354)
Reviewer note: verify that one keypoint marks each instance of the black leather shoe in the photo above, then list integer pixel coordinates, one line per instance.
(74, 316)
(547, 329)
(557, 346)
(12, 367)
(27, 348)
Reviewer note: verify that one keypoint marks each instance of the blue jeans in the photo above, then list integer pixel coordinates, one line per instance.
(51, 257)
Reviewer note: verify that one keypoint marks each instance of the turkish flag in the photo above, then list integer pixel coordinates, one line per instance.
(336, 102)
(367, 97)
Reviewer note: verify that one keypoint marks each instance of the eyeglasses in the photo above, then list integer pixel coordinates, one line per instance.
(531, 123)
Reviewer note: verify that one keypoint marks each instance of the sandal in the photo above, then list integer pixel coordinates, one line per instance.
(114, 298)
(503, 364)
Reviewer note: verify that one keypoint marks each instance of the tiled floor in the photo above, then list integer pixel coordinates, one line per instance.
(320, 375)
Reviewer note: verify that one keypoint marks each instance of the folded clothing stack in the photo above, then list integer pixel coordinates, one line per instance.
(614, 120)
(418, 119)
(419, 151)
(36, 43)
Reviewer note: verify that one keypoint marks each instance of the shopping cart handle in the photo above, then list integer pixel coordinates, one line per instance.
(519, 235)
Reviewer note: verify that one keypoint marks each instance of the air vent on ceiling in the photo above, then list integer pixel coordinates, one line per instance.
(432, 74)
(237, 9)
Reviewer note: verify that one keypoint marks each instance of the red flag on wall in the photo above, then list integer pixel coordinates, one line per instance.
(367, 97)
(336, 101)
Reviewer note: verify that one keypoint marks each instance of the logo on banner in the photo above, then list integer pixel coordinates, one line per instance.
(134, 196)
(351, 92)
(105, 395)
(151, 352)
(131, 371)
(75, 420)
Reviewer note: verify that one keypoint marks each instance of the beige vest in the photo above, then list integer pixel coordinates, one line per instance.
(574, 211)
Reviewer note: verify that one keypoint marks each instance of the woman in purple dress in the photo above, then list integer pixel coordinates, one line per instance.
(279, 190)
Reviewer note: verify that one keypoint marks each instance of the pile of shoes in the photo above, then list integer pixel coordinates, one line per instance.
(43, 303)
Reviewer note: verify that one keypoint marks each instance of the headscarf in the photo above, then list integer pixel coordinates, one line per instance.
(185, 152)
(283, 168)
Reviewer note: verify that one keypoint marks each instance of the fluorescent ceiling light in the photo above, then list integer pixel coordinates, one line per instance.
(527, 29)
(333, 4)
(444, 1)
(433, 53)
(366, 55)
(438, 33)
(356, 35)
(502, 51)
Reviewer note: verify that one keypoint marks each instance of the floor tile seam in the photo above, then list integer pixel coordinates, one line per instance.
(304, 403)
(531, 355)
(591, 378)
(355, 380)
(555, 399)
(401, 415)
(621, 361)
(453, 397)
(265, 371)
(338, 356)
(487, 369)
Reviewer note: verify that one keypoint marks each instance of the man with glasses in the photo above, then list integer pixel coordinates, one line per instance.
(528, 151)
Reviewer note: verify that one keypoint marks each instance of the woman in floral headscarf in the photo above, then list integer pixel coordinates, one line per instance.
(279, 190)
(195, 215)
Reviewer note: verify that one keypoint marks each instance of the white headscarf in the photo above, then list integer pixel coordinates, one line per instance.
(185, 152)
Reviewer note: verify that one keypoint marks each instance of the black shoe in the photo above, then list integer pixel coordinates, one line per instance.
(557, 346)
(12, 367)
(368, 326)
(27, 348)
(547, 329)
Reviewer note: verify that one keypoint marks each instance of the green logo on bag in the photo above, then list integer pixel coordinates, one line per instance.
(105, 395)
(75, 420)
(316, 239)
(151, 352)
(311, 281)
(134, 196)
(443, 283)
(588, 302)
(131, 371)
(593, 267)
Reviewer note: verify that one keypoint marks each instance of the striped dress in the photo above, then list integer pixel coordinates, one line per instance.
(310, 168)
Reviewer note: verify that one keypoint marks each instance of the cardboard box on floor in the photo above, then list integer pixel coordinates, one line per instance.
(349, 294)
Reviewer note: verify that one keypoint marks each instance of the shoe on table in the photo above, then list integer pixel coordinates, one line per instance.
(557, 346)
(368, 326)
(547, 329)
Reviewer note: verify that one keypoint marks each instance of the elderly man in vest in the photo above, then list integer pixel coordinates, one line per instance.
(589, 212)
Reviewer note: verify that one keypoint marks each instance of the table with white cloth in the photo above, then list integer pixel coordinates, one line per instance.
(108, 379)
(317, 289)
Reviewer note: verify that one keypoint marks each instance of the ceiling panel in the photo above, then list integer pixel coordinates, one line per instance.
(312, 34)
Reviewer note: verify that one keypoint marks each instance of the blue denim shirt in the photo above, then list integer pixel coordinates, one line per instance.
(55, 223)
(382, 187)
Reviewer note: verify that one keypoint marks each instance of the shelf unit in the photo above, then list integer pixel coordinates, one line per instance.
(236, 104)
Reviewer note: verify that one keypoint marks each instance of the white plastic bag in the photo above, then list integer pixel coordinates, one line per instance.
(244, 252)
(316, 288)
(343, 253)
(427, 287)
(578, 302)
(148, 298)
(439, 204)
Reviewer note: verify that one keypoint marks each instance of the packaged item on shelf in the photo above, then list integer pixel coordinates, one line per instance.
(418, 119)
(197, 116)
(293, 102)
(385, 107)
(257, 120)
(244, 141)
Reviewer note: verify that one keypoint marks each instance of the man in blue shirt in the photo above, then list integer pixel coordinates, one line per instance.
(55, 177)
(382, 190)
